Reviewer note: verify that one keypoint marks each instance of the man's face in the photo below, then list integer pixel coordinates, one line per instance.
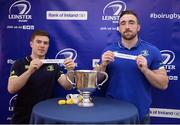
(128, 27)
(40, 45)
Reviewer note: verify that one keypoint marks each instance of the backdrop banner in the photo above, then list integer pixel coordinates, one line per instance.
(82, 28)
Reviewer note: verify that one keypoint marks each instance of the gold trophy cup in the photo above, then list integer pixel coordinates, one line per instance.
(86, 81)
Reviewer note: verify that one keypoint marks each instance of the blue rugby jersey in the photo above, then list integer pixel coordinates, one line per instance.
(126, 81)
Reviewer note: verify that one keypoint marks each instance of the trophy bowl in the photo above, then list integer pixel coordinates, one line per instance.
(86, 81)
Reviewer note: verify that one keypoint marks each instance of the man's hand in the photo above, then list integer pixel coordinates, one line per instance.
(69, 64)
(35, 65)
(107, 57)
(142, 63)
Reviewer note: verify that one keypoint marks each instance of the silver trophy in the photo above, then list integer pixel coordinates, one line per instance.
(86, 81)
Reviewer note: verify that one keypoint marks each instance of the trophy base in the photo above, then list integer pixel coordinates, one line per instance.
(86, 101)
(90, 104)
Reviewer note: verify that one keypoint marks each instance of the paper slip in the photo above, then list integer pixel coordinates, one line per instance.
(47, 61)
(124, 56)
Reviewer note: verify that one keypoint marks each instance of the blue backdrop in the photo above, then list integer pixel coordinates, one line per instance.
(83, 28)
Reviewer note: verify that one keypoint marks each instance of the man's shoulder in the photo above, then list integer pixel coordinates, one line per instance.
(148, 45)
(111, 45)
(22, 60)
(150, 48)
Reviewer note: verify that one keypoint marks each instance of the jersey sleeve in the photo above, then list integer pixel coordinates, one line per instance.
(59, 71)
(16, 69)
(157, 62)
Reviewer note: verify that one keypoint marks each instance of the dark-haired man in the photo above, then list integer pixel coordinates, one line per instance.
(134, 66)
(32, 80)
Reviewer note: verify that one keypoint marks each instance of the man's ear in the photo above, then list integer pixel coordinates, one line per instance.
(139, 27)
(31, 44)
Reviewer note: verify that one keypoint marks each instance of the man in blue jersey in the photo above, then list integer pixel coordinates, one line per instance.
(33, 80)
(134, 67)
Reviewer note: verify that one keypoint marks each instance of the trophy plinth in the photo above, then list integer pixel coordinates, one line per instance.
(86, 101)
(86, 81)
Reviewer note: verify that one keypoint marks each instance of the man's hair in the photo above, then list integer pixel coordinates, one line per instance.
(128, 12)
(39, 33)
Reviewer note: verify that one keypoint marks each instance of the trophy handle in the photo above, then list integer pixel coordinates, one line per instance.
(72, 83)
(106, 78)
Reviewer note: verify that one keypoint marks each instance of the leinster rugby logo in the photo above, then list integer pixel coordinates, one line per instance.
(112, 11)
(66, 53)
(19, 11)
(20, 7)
(12, 102)
(114, 8)
(168, 56)
(145, 53)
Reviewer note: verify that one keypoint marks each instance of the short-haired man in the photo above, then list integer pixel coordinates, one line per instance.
(134, 66)
(32, 80)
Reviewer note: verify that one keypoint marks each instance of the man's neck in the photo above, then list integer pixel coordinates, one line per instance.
(129, 43)
(36, 56)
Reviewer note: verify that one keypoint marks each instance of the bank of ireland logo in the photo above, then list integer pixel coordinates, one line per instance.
(66, 53)
(19, 10)
(168, 56)
(112, 10)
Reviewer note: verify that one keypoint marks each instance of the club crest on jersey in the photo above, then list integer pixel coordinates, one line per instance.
(12, 73)
(50, 68)
(144, 53)
(26, 66)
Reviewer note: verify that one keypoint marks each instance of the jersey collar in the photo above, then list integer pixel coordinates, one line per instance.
(122, 46)
(28, 58)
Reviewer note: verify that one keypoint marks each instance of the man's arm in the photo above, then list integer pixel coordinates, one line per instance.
(101, 67)
(69, 65)
(15, 83)
(158, 78)
(64, 82)
(107, 57)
